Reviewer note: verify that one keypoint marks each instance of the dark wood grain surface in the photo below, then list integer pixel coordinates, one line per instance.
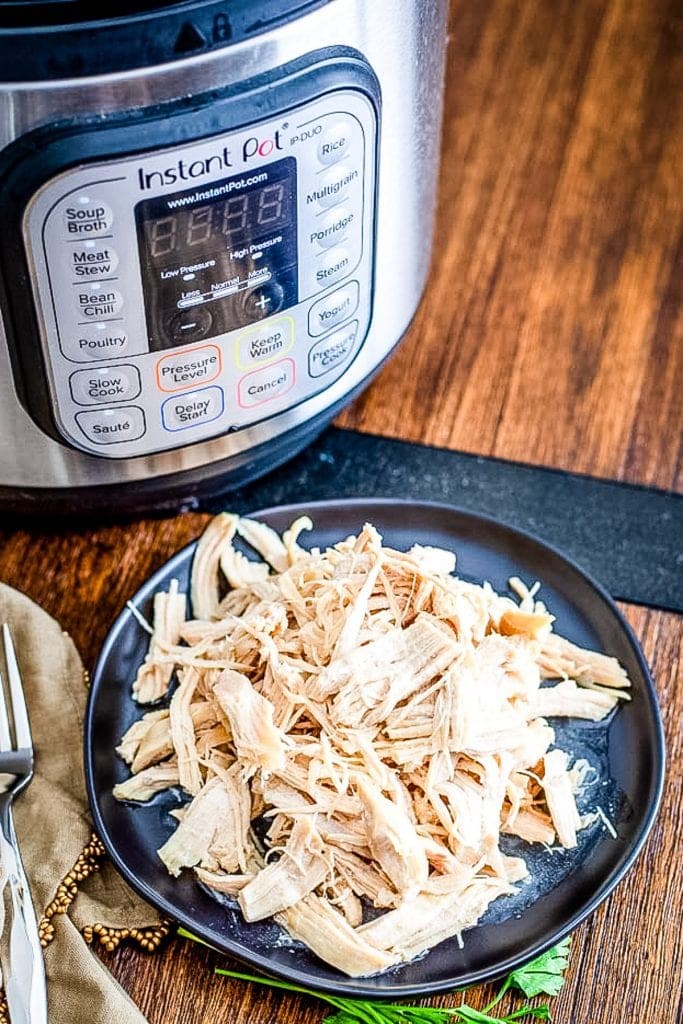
(551, 333)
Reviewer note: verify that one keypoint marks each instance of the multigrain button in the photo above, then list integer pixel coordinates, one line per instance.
(112, 426)
(193, 409)
(95, 341)
(332, 227)
(334, 141)
(264, 343)
(105, 384)
(332, 351)
(98, 302)
(188, 368)
(266, 384)
(332, 186)
(333, 309)
(85, 215)
(92, 260)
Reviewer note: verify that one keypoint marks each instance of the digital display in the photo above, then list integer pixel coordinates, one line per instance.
(218, 257)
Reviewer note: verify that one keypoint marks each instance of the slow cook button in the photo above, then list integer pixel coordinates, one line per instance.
(330, 352)
(112, 426)
(332, 227)
(105, 384)
(333, 309)
(264, 343)
(188, 368)
(98, 302)
(334, 141)
(86, 215)
(267, 384)
(92, 260)
(193, 409)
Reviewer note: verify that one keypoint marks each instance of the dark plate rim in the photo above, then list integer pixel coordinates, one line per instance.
(352, 987)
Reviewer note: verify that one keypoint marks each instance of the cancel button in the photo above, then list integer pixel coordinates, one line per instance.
(330, 352)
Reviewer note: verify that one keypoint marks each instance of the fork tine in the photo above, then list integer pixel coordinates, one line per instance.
(5, 738)
(22, 731)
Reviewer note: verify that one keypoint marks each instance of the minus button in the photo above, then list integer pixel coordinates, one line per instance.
(190, 324)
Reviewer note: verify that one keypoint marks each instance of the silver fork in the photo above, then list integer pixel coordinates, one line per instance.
(22, 957)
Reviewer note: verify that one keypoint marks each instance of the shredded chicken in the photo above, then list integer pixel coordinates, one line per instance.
(382, 719)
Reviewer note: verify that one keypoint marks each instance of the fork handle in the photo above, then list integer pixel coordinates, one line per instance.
(22, 956)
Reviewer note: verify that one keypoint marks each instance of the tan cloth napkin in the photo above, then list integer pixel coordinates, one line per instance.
(53, 826)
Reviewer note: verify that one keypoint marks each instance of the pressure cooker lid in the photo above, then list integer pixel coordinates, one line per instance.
(47, 40)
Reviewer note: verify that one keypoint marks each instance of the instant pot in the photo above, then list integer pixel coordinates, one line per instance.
(215, 225)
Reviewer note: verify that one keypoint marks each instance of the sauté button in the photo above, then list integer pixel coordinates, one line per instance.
(98, 302)
(333, 309)
(112, 426)
(105, 384)
(264, 343)
(331, 351)
(334, 141)
(87, 215)
(332, 227)
(266, 384)
(193, 409)
(92, 260)
(188, 368)
(190, 324)
(95, 341)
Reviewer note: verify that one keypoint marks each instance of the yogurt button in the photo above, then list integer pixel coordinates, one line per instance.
(92, 260)
(333, 309)
(104, 384)
(85, 215)
(334, 141)
(112, 426)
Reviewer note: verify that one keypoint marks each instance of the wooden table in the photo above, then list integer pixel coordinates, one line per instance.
(550, 333)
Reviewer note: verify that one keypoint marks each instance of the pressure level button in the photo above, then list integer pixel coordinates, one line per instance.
(85, 216)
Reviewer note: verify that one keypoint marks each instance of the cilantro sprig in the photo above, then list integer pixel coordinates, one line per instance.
(542, 976)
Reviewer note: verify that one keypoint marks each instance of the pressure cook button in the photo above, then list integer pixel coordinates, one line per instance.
(86, 215)
(105, 384)
(98, 302)
(91, 260)
(262, 301)
(188, 368)
(95, 341)
(334, 141)
(112, 426)
(332, 227)
(190, 324)
(264, 343)
(193, 409)
(332, 351)
(266, 384)
(332, 186)
(333, 309)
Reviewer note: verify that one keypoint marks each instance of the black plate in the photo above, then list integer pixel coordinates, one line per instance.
(568, 885)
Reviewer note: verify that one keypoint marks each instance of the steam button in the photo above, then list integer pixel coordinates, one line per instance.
(86, 216)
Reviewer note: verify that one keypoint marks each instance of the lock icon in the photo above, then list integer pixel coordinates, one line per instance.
(221, 29)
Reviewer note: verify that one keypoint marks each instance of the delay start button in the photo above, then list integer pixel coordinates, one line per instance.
(193, 409)
(112, 426)
(332, 351)
(266, 384)
(188, 368)
(105, 384)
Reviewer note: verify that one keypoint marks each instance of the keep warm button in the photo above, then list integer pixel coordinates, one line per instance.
(193, 409)
(330, 352)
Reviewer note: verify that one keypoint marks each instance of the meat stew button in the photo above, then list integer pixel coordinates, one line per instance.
(193, 409)
(330, 352)
(112, 426)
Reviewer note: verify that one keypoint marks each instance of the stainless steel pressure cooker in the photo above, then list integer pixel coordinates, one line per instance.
(215, 224)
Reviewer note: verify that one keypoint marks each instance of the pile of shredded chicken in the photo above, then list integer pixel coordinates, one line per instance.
(384, 718)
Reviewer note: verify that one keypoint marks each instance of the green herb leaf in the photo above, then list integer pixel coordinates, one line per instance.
(545, 974)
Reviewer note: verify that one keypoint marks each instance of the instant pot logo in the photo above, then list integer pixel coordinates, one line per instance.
(189, 170)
